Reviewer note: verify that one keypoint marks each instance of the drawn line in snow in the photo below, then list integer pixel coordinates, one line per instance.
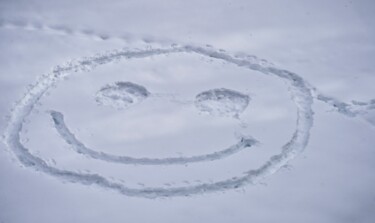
(67, 31)
(79, 147)
(356, 108)
(301, 96)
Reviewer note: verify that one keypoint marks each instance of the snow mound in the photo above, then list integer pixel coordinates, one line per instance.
(121, 95)
(222, 102)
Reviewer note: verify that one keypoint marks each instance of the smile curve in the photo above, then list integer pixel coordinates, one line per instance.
(79, 147)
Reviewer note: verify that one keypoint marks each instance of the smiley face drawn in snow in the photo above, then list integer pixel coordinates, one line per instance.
(216, 101)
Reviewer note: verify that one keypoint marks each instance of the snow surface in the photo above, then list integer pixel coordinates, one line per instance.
(121, 95)
(140, 105)
(222, 102)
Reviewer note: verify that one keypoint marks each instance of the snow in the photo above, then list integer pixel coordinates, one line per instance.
(168, 110)
(69, 138)
(222, 102)
(121, 95)
(300, 92)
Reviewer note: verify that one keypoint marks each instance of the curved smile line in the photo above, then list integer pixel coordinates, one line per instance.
(79, 147)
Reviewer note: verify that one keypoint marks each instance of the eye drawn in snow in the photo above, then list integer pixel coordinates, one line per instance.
(222, 102)
(121, 95)
(217, 101)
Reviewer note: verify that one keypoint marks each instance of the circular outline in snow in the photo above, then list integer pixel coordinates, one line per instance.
(301, 96)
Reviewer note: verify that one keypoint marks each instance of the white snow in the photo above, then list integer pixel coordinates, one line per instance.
(112, 107)
(121, 95)
(222, 102)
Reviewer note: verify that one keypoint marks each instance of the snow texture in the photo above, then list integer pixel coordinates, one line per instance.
(222, 102)
(124, 94)
(121, 95)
